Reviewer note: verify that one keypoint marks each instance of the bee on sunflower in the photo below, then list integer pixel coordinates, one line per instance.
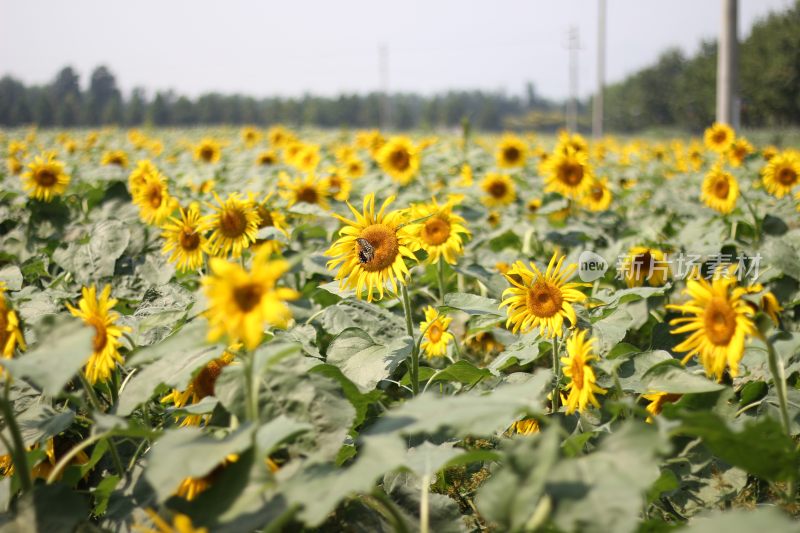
(782, 173)
(45, 178)
(542, 300)
(399, 158)
(242, 302)
(208, 151)
(233, 225)
(371, 249)
(512, 152)
(582, 384)
(499, 188)
(440, 232)
(153, 199)
(435, 334)
(718, 320)
(720, 190)
(184, 239)
(98, 313)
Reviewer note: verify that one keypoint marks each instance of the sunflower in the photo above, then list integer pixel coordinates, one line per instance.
(201, 386)
(208, 151)
(441, 232)
(568, 173)
(499, 189)
(338, 184)
(768, 152)
(97, 312)
(718, 325)
(400, 159)
(353, 167)
(268, 216)
(771, 306)
(185, 240)
(153, 199)
(575, 142)
(598, 197)
(782, 173)
(718, 138)
(304, 191)
(116, 158)
(371, 248)
(279, 135)
(10, 332)
(533, 205)
(541, 300)
(582, 385)
(242, 302)
(46, 177)
(511, 152)
(720, 190)
(137, 177)
(307, 158)
(435, 334)
(657, 401)
(526, 426)
(14, 165)
(465, 176)
(250, 136)
(740, 148)
(643, 264)
(191, 487)
(234, 225)
(267, 158)
(180, 524)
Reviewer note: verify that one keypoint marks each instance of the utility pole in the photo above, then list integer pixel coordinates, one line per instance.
(572, 103)
(597, 103)
(383, 74)
(727, 65)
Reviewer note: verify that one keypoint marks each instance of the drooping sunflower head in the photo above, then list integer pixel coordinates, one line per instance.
(399, 158)
(598, 197)
(575, 142)
(10, 331)
(98, 313)
(153, 199)
(440, 232)
(208, 151)
(372, 249)
(268, 215)
(499, 188)
(242, 303)
(525, 427)
(116, 158)
(436, 337)
(718, 137)
(645, 265)
(512, 152)
(782, 173)
(184, 239)
(308, 190)
(718, 322)
(542, 300)
(568, 173)
(233, 224)
(45, 178)
(582, 380)
(720, 190)
(657, 401)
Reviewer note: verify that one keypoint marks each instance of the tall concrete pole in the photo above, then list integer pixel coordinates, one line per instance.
(727, 65)
(597, 103)
(572, 103)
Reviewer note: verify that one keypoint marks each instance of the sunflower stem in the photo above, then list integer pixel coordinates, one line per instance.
(440, 279)
(556, 376)
(414, 369)
(251, 408)
(756, 221)
(779, 378)
(18, 452)
(95, 403)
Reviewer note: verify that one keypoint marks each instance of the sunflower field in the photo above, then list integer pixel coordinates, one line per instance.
(278, 330)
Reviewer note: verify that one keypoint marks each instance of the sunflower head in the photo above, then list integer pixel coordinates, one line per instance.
(598, 197)
(208, 151)
(372, 249)
(512, 152)
(399, 158)
(568, 173)
(138, 175)
(440, 232)
(267, 158)
(582, 381)
(250, 136)
(184, 239)
(499, 188)
(233, 224)
(740, 148)
(153, 199)
(10, 331)
(45, 178)
(782, 173)
(435, 334)
(116, 158)
(542, 300)
(720, 190)
(353, 167)
(308, 190)
(718, 137)
(645, 265)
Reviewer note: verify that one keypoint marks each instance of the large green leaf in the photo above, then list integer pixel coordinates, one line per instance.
(364, 361)
(471, 304)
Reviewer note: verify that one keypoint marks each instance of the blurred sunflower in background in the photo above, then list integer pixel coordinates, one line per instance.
(718, 137)
(598, 197)
(184, 239)
(440, 232)
(98, 313)
(542, 300)
(267, 158)
(399, 158)
(353, 168)
(512, 152)
(718, 323)
(782, 173)
(337, 184)
(740, 148)
(582, 385)
(435, 334)
(371, 249)
(45, 178)
(153, 199)
(308, 190)
(138, 175)
(568, 173)
(116, 158)
(208, 151)
(10, 331)
(720, 190)
(242, 302)
(499, 189)
(645, 265)
(233, 225)
(250, 136)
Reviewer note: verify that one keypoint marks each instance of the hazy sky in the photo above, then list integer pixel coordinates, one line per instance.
(327, 47)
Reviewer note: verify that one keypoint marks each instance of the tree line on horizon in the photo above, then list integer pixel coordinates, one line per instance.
(676, 92)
